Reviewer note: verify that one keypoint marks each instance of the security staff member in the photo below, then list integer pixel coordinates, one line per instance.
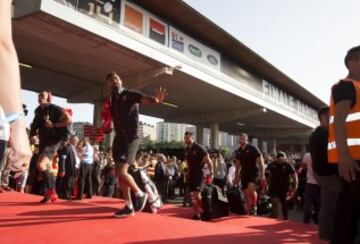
(344, 148)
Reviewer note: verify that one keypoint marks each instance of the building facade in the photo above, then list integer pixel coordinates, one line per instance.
(170, 131)
(147, 131)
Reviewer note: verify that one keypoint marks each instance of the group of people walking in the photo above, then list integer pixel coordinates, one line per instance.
(336, 156)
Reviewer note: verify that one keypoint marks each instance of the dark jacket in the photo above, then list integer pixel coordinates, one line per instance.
(70, 162)
(318, 144)
(160, 174)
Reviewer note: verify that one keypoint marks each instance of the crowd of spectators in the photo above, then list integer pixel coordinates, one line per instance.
(83, 169)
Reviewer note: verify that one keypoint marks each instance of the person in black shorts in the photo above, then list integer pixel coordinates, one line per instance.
(249, 167)
(124, 107)
(196, 157)
(281, 174)
(50, 124)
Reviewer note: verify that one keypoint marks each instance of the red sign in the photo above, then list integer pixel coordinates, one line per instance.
(157, 31)
(93, 133)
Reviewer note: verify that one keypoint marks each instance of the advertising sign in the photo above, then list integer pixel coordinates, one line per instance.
(107, 11)
(93, 133)
(140, 21)
(157, 31)
(133, 19)
(177, 40)
(212, 58)
(194, 50)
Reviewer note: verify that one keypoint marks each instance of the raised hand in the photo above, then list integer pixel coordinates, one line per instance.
(161, 94)
(170, 70)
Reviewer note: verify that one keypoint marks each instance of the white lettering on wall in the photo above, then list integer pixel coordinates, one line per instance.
(280, 97)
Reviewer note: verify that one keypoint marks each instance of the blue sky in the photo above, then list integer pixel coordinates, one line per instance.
(305, 39)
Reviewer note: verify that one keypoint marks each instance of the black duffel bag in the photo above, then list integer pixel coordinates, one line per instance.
(236, 200)
(214, 203)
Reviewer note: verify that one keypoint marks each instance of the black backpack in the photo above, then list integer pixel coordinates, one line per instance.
(214, 203)
(236, 200)
(264, 205)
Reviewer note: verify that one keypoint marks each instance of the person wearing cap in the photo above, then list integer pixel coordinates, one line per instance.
(281, 174)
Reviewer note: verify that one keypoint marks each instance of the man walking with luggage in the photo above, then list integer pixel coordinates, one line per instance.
(249, 167)
(124, 108)
(196, 157)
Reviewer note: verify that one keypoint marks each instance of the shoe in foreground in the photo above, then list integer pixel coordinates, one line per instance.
(124, 212)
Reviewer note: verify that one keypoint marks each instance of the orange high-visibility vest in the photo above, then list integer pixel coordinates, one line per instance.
(352, 128)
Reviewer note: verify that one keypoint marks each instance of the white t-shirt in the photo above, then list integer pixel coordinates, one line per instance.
(310, 179)
(231, 175)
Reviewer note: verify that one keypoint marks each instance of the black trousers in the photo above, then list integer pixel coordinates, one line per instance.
(347, 213)
(279, 197)
(171, 188)
(59, 186)
(109, 190)
(68, 186)
(85, 180)
(161, 187)
(96, 179)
